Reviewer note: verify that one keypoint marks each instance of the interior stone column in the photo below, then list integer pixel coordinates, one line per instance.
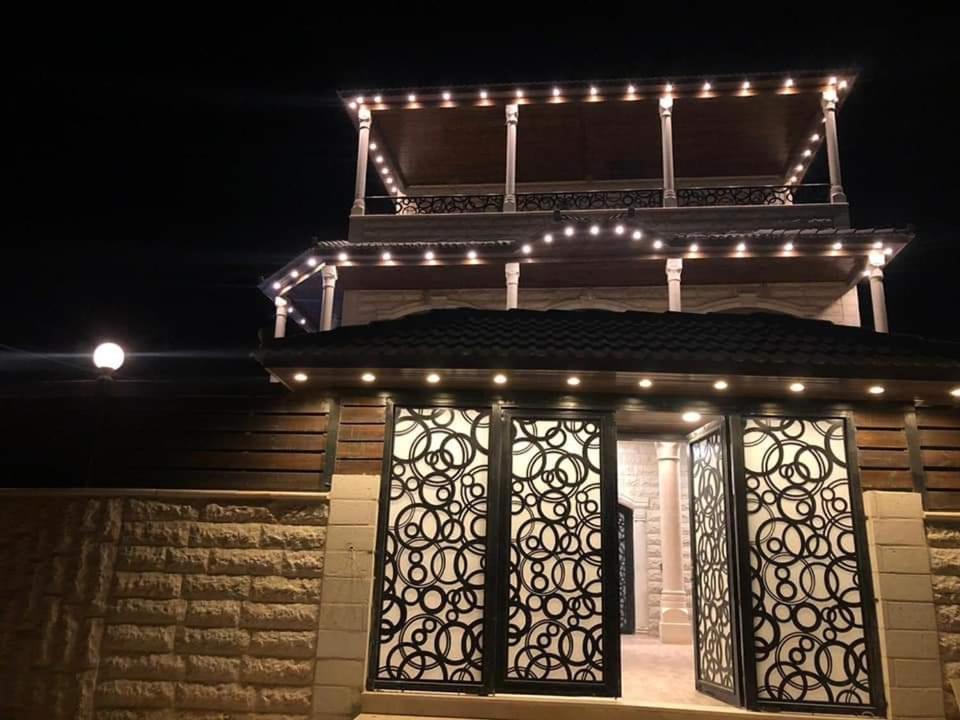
(674, 612)
(674, 270)
(512, 272)
(329, 276)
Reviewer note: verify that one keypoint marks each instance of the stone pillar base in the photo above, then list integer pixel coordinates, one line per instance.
(675, 627)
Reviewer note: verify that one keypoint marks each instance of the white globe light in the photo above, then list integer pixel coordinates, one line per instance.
(108, 356)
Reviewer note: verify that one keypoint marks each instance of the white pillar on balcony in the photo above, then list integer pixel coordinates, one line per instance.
(510, 186)
(329, 276)
(674, 612)
(666, 136)
(674, 270)
(512, 273)
(363, 150)
(828, 102)
(280, 320)
(878, 298)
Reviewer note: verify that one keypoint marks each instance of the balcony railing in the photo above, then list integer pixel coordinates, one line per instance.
(599, 200)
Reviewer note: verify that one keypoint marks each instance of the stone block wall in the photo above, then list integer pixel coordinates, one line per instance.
(139, 608)
(943, 538)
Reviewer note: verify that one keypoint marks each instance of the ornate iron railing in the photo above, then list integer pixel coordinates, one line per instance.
(599, 199)
(591, 200)
(752, 195)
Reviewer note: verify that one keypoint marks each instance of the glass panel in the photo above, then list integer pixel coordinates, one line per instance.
(431, 614)
(554, 606)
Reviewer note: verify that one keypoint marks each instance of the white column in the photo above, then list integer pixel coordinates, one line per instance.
(674, 613)
(829, 104)
(329, 276)
(878, 298)
(510, 186)
(363, 150)
(674, 269)
(280, 321)
(666, 136)
(512, 272)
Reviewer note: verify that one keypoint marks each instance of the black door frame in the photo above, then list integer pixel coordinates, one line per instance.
(496, 583)
(628, 618)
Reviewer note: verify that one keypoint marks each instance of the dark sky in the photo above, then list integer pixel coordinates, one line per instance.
(160, 165)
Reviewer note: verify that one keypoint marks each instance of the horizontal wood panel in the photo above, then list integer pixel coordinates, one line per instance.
(878, 419)
(886, 480)
(359, 449)
(940, 438)
(362, 414)
(938, 418)
(884, 459)
(941, 458)
(942, 500)
(348, 466)
(222, 460)
(893, 439)
(361, 432)
(943, 479)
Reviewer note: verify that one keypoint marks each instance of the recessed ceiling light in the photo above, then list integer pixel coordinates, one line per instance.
(411, 98)
(876, 389)
(955, 392)
(556, 92)
(300, 377)
(433, 378)
(637, 235)
(691, 416)
(277, 286)
(294, 273)
(721, 385)
(741, 247)
(594, 229)
(343, 257)
(707, 87)
(385, 256)
(645, 383)
(797, 387)
(312, 262)
(483, 94)
(798, 167)
(500, 379)
(377, 99)
(446, 95)
(568, 231)
(838, 245)
(815, 137)
(379, 159)
(788, 246)
(428, 255)
(368, 377)
(619, 229)
(548, 238)
(657, 244)
(694, 247)
(472, 255)
(526, 249)
(573, 381)
(373, 146)
(302, 321)
(746, 85)
(808, 152)
(788, 82)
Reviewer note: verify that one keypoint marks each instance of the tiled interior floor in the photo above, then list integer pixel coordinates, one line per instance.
(658, 673)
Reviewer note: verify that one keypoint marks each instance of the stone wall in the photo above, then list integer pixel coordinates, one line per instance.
(826, 301)
(943, 537)
(639, 484)
(139, 608)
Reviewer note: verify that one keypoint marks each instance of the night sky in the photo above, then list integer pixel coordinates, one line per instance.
(161, 165)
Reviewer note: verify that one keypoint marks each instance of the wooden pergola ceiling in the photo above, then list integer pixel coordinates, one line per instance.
(721, 134)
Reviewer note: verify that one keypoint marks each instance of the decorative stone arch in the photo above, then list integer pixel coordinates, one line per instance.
(754, 304)
(421, 306)
(582, 303)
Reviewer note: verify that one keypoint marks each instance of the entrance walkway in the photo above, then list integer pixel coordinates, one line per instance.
(658, 673)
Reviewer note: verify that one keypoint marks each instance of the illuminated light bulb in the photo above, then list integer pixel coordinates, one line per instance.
(433, 378)
(721, 385)
(877, 245)
(568, 231)
(300, 377)
(694, 247)
(556, 92)
(428, 255)
(645, 383)
(838, 245)
(377, 99)
(519, 94)
(379, 159)
(888, 251)
(691, 416)
(793, 179)
(353, 105)
(707, 87)
(631, 89)
(411, 98)
(277, 286)
(746, 85)
(788, 83)
(637, 235)
(657, 244)
(483, 94)
(389, 181)
(815, 137)
(385, 256)
(302, 321)
(359, 99)
(394, 190)
(548, 238)
(573, 381)
(294, 273)
(526, 249)
(373, 146)
(312, 262)
(500, 379)
(472, 255)
(594, 229)
(741, 247)
(808, 152)
(876, 389)
(619, 229)
(798, 167)
(788, 247)
(955, 392)
(385, 171)
(368, 377)
(447, 95)
(343, 257)
(842, 85)
(797, 387)
(668, 87)
(833, 80)
(108, 356)
(593, 91)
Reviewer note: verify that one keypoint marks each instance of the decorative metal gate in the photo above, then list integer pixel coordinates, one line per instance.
(497, 554)
(715, 631)
(625, 576)
(811, 641)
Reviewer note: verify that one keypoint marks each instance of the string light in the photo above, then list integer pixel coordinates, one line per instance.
(793, 179)
(798, 167)
(302, 321)
(373, 146)
(379, 159)
(294, 273)
(808, 152)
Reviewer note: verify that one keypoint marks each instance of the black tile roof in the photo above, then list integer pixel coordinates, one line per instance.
(749, 344)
